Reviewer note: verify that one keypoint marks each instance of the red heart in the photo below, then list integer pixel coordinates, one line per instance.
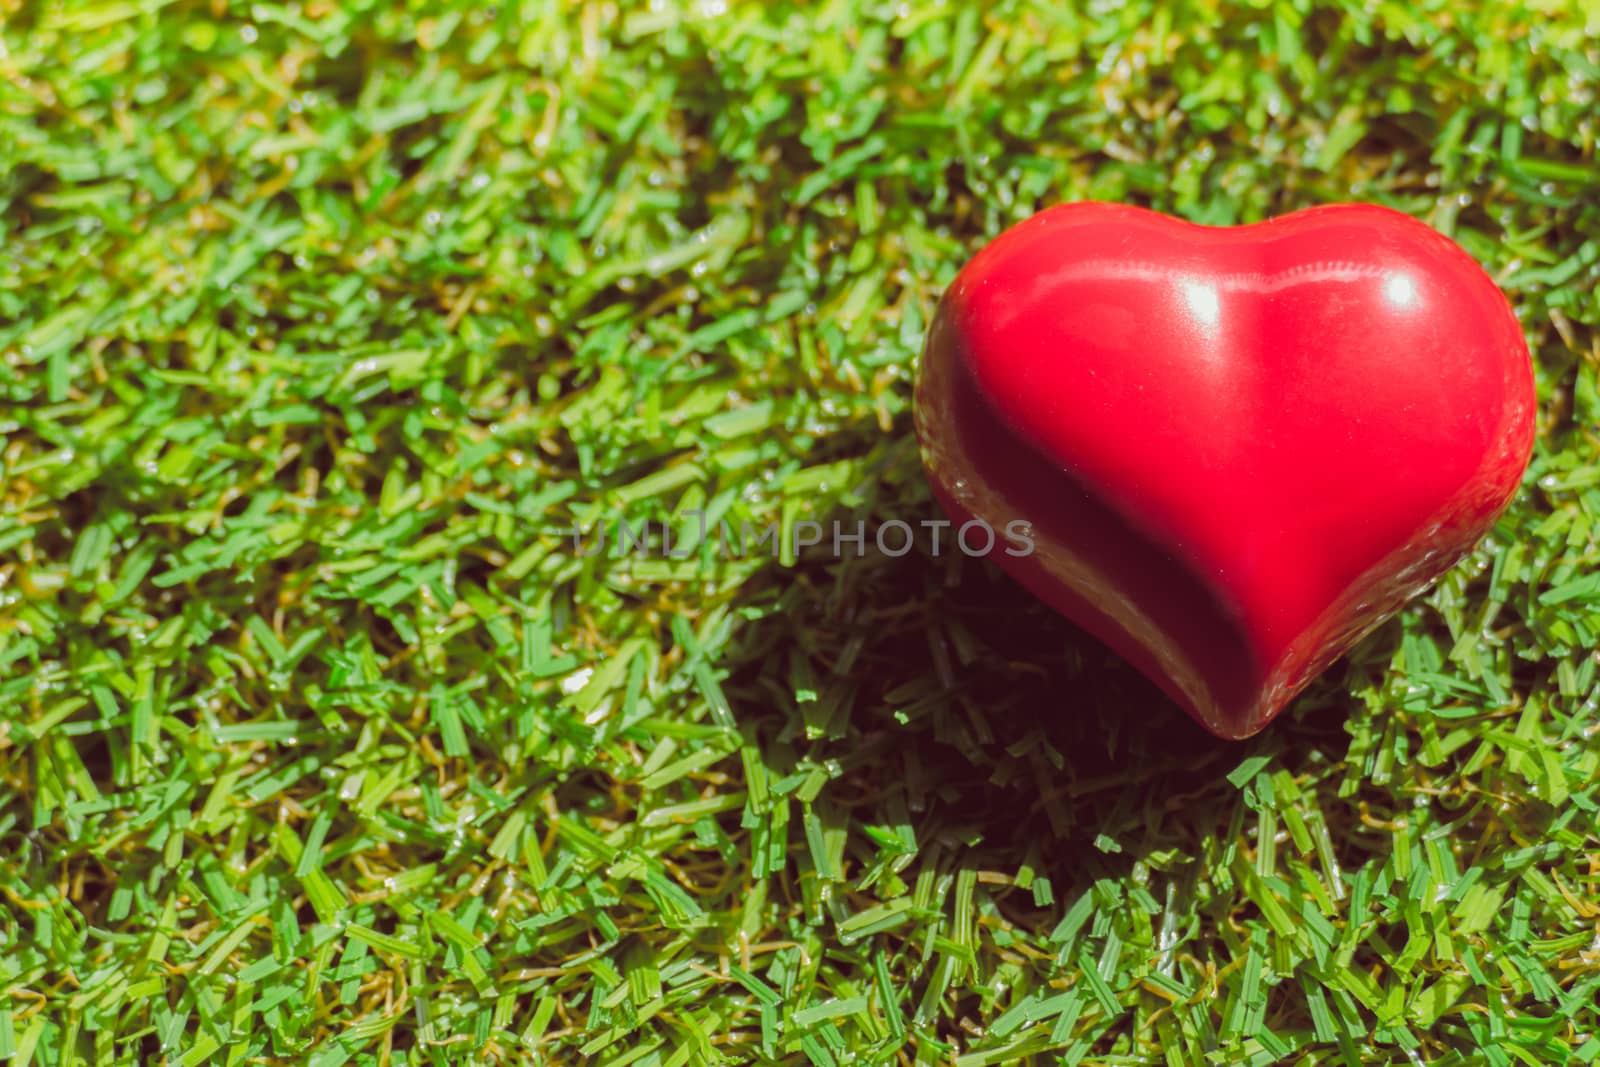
(1239, 449)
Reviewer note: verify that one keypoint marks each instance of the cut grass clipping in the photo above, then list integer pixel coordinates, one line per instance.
(321, 742)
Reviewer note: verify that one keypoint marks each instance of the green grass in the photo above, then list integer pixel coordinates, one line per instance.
(319, 743)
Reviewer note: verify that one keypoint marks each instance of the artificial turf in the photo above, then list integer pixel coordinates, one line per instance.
(321, 741)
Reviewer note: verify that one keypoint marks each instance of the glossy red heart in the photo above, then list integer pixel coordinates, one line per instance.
(1239, 449)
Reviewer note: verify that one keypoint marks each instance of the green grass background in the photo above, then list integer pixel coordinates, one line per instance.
(319, 743)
